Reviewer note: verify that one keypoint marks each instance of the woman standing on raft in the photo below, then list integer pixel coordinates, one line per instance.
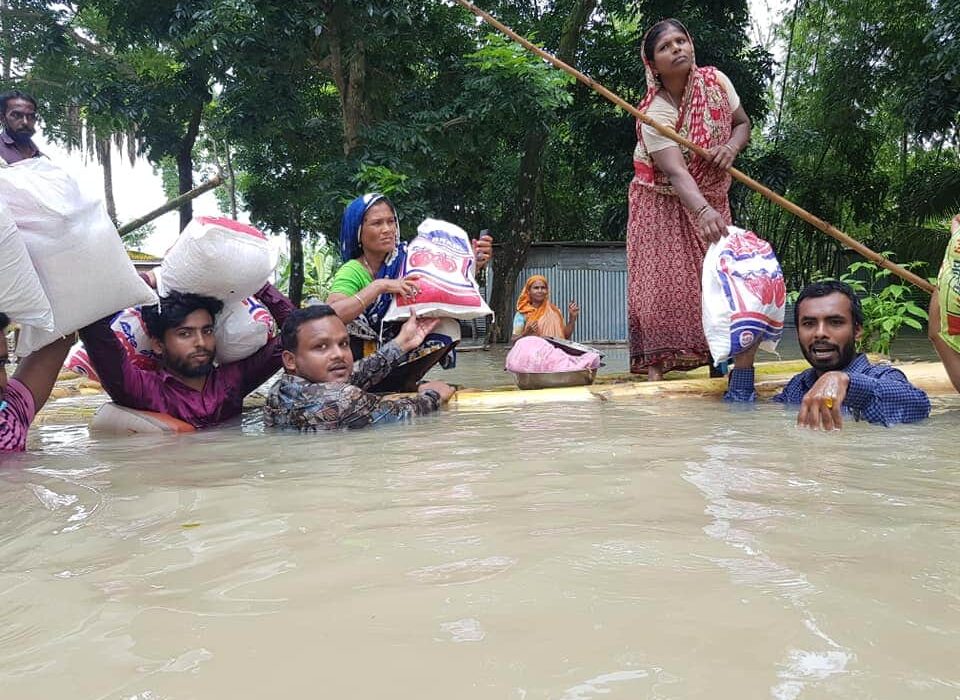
(678, 201)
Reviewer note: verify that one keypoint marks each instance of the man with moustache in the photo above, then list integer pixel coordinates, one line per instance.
(18, 113)
(829, 321)
(187, 385)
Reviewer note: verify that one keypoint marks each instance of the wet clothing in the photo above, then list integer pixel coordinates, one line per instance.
(158, 390)
(15, 417)
(9, 152)
(295, 402)
(877, 393)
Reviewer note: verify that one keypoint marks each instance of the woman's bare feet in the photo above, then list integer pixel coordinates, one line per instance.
(655, 373)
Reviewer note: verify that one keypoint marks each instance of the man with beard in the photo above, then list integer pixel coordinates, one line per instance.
(18, 112)
(829, 321)
(187, 385)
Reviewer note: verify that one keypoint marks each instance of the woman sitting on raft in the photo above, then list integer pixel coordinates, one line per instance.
(373, 258)
(536, 315)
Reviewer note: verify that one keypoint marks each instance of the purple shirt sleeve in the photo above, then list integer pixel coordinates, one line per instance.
(15, 417)
(126, 384)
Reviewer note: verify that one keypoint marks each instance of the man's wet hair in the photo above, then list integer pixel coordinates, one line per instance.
(826, 288)
(291, 327)
(4, 321)
(173, 309)
(15, 95)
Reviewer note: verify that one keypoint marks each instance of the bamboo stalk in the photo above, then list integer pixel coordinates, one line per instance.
(174, 203)
(783, 202)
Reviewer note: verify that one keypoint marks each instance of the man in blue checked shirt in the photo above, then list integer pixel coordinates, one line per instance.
(829, 322)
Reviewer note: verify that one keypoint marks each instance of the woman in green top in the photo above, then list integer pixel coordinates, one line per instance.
(373, 257)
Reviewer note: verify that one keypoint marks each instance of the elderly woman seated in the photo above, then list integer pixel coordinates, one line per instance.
(536, 315)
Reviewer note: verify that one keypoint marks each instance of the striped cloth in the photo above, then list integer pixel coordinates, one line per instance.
(16, 416)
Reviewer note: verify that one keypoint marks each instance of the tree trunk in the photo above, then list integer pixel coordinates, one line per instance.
(521, 231)
(104, 155)
(185, 165)
(348, 66)
(295, 238)
(525, 220)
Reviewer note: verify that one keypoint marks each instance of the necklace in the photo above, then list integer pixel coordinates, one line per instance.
(363, 259)
(670, 97)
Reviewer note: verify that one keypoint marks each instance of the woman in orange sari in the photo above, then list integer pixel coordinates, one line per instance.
(536, 315)
(678, 201)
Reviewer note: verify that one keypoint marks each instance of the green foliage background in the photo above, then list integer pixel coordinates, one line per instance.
(307, 103)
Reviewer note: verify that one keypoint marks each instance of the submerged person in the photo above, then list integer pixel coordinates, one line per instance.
(187, 385)
(678, 201)
(362, 289)
(321, 388)
(537, 315)
(24, 394)
(840, 381)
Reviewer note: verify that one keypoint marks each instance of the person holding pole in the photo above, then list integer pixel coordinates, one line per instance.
(677, 200)
(949, 353)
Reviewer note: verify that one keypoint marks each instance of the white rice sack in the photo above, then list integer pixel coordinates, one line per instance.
(21, 296)
(242, 328)
(443, 257)
(80, 260)
(219, 258)
(744, 295)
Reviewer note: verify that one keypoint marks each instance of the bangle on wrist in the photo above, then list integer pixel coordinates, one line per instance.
(730, 148)
(701, 211)
(362, 304)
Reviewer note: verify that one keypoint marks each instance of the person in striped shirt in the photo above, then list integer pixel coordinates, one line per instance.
(23, 394)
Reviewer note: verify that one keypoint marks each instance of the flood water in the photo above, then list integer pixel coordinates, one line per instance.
(676, 549)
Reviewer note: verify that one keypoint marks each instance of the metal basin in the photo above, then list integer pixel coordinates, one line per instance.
(554, 380)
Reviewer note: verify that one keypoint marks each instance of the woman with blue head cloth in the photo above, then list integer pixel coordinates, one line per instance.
(373, 257)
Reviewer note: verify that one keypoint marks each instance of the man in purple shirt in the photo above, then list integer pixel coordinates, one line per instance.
(23, 394)
(187, 385)
(18, 113)
(829, 321)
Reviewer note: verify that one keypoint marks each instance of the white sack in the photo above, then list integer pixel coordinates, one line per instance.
(80, 260)
(243, 327)
(21, 296)
(217, 257)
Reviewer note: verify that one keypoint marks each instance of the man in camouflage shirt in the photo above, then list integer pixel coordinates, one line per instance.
(322, 389)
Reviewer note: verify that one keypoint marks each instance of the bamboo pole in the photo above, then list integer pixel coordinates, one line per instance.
(800, 212)
(174, 203)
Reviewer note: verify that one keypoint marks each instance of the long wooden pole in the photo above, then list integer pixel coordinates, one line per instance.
(800, 212)
(174, 203)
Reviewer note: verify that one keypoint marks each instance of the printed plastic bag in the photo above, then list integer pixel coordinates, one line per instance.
(242, 328)
(21, 296)
(81, 263)
(443, 257)
(948, 290)
(744, 295)
(217, 257)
